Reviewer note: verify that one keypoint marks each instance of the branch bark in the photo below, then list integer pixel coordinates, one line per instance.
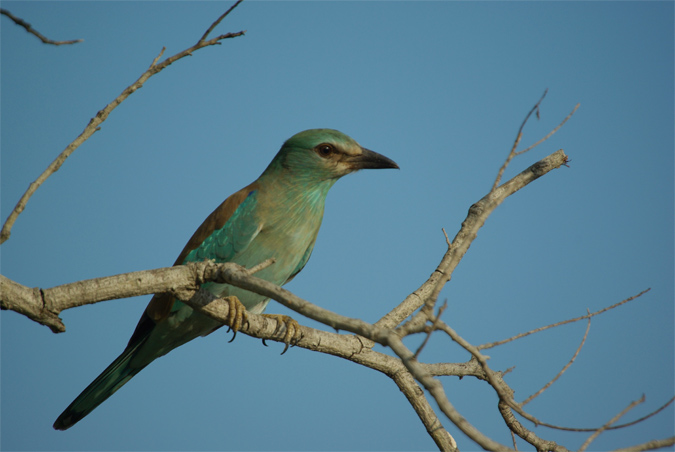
(44, 305)
(28, 27)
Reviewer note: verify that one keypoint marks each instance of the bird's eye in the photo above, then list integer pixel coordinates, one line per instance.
(325, 150)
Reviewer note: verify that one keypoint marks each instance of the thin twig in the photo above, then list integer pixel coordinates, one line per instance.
(553, 325)
(447, 239)
(597, 433)
(614, 427)
(261, 266)
(645, 417)
(161, 52)
(215, 24)
(505, 393)
(529, 148)
(516, 142)
(513, 153)
(547, 385)
(513, 438)
(31, 30)
(95, 122)
(431, 330)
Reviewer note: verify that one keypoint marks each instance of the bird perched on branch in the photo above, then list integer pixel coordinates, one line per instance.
(277, 216)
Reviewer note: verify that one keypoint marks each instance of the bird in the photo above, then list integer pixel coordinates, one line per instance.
(277, 216)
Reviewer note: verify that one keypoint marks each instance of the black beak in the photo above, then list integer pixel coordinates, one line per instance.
(371, 160)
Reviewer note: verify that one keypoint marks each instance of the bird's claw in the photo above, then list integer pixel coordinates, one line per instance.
(293, 333)
(237, 315)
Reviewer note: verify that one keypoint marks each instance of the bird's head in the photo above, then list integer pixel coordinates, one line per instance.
(325, 154)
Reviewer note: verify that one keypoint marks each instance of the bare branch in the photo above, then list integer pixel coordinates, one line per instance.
(586, 429)
(348, 347)
(263, 265)
(102, 115)
(548, 135)
(649, 445)
(513, 438)
(469, 368)
(44, 305)
(431, 329)
(553, 325)
(516, 427)
(215, 24)
(576, 353)
(407, 384)
(513, 153)
(161, 52)
(29, 302)
(478, 213)
(516, 142)
(185, 280)
(436, 389)
(505, 393)
(31, 30)
(597, 433)
(643, 418)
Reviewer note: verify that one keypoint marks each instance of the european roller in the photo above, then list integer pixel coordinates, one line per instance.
(277, 216)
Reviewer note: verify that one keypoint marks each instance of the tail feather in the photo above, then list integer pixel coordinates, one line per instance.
(105, 385)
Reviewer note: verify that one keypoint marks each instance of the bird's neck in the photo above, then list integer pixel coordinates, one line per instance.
(293, 193)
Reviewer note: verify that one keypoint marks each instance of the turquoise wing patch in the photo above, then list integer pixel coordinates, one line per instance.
(237, 233)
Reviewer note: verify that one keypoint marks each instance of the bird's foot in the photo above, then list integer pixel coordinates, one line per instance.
(237, 315)
(293, 333)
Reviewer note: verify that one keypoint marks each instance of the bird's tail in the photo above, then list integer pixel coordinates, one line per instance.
(105, 385)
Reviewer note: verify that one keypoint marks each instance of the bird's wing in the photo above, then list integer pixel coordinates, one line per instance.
(224, 233)
(228, 230)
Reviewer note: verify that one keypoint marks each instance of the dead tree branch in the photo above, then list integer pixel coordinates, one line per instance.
(562, 371)
(28, 27)
(44, 306)
(649, 445)
(564, 322)
(618, 416)
(102, 115)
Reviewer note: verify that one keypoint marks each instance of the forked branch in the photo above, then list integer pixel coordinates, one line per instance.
(564, 322)
(102, 115)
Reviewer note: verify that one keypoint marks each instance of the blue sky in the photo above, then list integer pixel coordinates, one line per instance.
(441, 88)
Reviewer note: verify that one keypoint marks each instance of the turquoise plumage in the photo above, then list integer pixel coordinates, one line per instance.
(278, 216)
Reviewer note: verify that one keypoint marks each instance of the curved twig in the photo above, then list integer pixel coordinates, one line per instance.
(215, 24)
(516, 142)
(553, 325)
(28, 27)
(102, 115)
(548, 135)
(597, 433)
(569, 363)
